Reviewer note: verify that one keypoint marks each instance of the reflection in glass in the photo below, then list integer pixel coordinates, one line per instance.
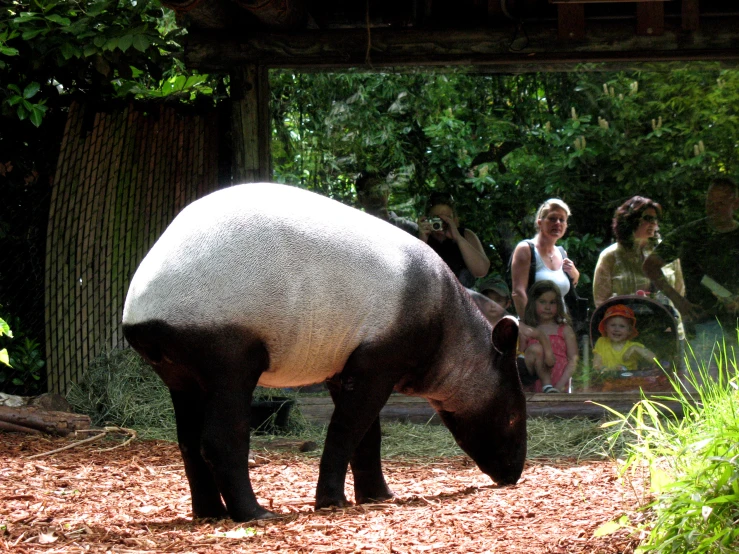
(503, 143)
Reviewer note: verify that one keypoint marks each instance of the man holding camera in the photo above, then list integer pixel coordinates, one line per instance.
(708, 250)
(458, 247)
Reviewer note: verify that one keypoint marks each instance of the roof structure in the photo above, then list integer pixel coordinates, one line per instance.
(492, 34)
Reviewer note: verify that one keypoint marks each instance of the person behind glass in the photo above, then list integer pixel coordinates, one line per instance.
(545, 312)
(456, 245)
(619, 268)
(496, 290)
(551, 221)
(373, 194)
(708, 250)
(616, 349)
(493, 300)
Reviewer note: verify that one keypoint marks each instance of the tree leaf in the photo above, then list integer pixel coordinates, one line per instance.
(69, 51)
(607, 528)
(37, 116)
(124, 42)
(63, 21)
(141, 43)
(33, 33)
(31, 90)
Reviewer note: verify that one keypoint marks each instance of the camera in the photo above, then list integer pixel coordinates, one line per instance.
(436, 223)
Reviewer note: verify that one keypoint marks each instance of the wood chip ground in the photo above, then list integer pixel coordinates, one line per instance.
(136, 499)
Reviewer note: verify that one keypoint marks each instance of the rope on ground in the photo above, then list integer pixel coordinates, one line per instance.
(105, 431)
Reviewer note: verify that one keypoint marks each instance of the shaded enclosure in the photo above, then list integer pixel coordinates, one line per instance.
(123, 175)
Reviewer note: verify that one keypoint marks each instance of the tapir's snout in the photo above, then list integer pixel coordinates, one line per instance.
(496, 442)
(502, 460)
(506, 469)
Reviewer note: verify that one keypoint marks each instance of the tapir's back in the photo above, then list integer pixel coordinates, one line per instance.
(309, 276)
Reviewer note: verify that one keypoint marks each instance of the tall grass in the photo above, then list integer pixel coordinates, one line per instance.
(693, 460)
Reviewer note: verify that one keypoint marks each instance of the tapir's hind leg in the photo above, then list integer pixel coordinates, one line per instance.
(230, 370)
(188, 410)
(221, 370)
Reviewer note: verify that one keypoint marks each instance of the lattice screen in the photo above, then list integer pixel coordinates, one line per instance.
(122, 176)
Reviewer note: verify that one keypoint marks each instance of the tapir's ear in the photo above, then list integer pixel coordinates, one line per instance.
(505, 334)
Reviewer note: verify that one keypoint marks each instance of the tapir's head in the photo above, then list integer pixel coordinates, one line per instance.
(490, 423)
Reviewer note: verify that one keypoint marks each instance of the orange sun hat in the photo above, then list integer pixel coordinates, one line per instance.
(619, 310)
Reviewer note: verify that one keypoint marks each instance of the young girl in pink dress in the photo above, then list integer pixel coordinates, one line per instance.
(545, 310)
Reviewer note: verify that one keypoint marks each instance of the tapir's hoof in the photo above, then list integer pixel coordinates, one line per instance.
(254, 514)
(210, 511)
(377, 497)
(330, 502)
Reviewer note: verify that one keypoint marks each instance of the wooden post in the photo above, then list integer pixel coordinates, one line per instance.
(571, 21)
(691, 15)
(650, 18)
(250, 125)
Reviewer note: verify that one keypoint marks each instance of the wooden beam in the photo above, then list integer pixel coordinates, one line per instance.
(650, 19)
(495, 10)
(603, 1)
(691, 15)
(717, 39)
(250, 125)
(411, 409)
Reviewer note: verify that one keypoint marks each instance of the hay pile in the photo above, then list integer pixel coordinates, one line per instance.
(118, 388)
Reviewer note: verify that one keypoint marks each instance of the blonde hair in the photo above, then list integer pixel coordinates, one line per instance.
(552, 204)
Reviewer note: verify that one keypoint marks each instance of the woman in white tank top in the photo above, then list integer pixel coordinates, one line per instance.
(551, 220)
(544, 273)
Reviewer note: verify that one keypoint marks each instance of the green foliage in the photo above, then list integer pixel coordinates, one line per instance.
(5, 331)
(26, 359)
(692, 461)
(22, 356)
(104, 48)
(502, 144)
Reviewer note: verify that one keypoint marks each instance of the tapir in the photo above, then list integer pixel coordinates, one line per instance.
(271, 285)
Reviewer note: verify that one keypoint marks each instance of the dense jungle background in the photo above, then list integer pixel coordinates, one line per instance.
(501, 143)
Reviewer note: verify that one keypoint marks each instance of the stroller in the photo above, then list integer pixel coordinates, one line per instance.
(658, 331)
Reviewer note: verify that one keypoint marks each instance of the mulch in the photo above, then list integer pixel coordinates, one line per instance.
(136, 499)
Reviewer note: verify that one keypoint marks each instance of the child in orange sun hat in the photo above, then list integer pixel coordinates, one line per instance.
(616, 349)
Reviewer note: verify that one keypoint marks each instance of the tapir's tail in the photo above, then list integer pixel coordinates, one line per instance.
(148, 339)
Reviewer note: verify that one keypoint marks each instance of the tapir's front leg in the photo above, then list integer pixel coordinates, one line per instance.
(365, 463)
(359, 394)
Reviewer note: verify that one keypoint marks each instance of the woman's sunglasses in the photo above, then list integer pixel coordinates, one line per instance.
(650, 218)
